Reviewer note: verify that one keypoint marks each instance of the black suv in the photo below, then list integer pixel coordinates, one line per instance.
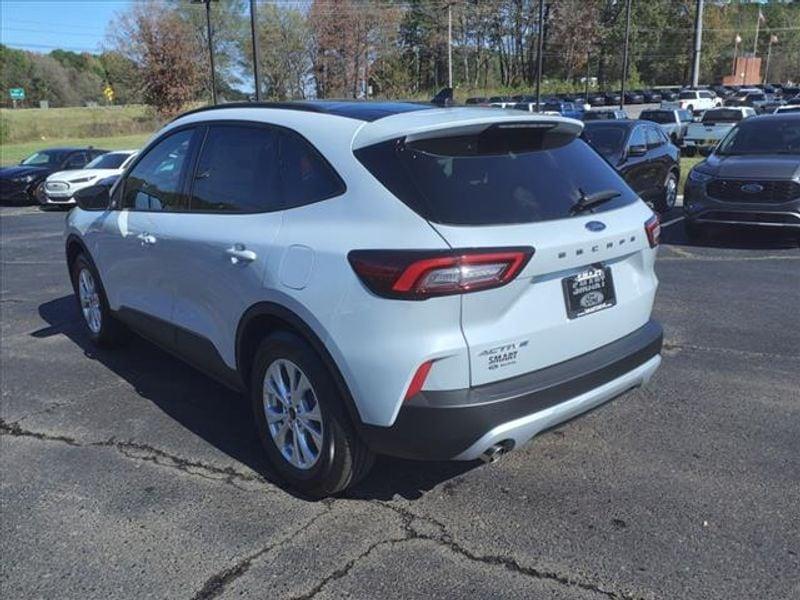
(642, 153)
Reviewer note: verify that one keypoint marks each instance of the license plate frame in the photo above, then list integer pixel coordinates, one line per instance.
(589, 291)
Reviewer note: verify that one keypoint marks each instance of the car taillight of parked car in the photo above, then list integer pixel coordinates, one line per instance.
(653, 230)
(419, 274)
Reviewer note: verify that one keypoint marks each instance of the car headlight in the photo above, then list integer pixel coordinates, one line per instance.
(81, 180)
(699, 177)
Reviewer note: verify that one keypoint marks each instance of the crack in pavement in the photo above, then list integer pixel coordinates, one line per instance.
(444, 540)
(144, 452)
(217, 583)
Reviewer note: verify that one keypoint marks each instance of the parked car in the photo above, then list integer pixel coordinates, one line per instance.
(368, 278)
(694, 100)
(60, 187)
(611, 98)
(668, 94)
(642, 153)
(501, 102)
(597, 100)
(21, 184)
(477, 100)
(604, 114)
(634, 97)
(651, 96)
(672, 122)
(787, 108)
(713, 126)
(565, 109)
(754, 98)
(751, 178)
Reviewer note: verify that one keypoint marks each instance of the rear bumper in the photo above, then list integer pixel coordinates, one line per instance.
(462, 424)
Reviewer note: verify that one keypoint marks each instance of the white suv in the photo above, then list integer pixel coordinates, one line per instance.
(430, 283)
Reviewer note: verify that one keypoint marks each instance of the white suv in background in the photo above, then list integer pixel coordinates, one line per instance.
(694, 101)
(60, 187)
(430, 283)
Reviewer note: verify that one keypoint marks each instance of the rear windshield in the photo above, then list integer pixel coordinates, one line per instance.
(465, 181)
(722, 116)
(658, 116)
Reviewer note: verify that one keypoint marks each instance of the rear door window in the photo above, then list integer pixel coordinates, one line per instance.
(493, 178)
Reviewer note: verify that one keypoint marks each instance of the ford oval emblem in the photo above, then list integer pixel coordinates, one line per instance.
(595, 226)
(752, 188)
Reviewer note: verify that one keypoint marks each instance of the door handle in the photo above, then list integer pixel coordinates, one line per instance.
(147, 239)
(239, 254)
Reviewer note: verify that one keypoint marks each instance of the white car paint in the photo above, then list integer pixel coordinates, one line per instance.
(60, 187)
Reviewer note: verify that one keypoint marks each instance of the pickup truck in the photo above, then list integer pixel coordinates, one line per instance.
(694, 101)
(715, 125)
(672, 122)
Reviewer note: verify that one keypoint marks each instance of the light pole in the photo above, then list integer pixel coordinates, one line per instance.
(210, 46)
(255, 48)
(625, 54)
(698, 42)
(540, 46)
(450, 46)
(772, 40)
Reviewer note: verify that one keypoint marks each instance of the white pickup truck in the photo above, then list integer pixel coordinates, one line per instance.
(694, 100)
(715, 125)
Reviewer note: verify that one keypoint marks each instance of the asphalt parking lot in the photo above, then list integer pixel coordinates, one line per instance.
(126, 474)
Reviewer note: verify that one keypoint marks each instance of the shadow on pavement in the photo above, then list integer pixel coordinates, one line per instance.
(220, 416)
(729, 237)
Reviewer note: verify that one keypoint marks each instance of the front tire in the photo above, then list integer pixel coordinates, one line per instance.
(670, 195)
(301, 419)
(103, 328)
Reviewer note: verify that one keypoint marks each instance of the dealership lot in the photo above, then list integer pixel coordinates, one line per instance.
(128, 474)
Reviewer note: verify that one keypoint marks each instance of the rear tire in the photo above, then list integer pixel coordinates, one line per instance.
(301, 419)
(104, 330)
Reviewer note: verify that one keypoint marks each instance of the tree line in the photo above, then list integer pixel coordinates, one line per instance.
(157, 52)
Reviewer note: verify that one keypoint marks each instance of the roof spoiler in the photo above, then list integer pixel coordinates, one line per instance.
(444, 97)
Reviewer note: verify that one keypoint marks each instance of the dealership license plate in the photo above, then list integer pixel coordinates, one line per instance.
(588, 292)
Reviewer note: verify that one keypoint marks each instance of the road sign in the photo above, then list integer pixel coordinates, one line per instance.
(108, 92)
(17, 93)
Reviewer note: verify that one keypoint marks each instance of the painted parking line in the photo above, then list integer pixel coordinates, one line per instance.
(672, 222)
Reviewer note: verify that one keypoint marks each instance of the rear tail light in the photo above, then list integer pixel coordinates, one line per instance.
(418, 380)
(653, 230)
(420, 274)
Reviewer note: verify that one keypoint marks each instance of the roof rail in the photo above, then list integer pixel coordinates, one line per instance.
(304, 106)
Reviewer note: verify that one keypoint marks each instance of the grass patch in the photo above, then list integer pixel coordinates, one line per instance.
(36, 124)
(686, 166)
(11, 154)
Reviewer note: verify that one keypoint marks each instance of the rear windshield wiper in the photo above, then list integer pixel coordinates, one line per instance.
(589, 200)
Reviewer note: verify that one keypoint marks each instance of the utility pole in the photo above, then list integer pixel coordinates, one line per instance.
(625, 54)
(210, 47)
(540, 46)
(586, 87)
(772, 40)
(450, 46)
(698, 43)
(255, 49)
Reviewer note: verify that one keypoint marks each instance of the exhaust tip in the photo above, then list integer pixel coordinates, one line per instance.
(494, 452)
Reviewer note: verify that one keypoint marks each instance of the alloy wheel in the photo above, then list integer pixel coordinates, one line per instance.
(293, 414)
(90, 301)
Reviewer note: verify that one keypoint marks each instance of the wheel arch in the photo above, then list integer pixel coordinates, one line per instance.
(264, 318)
(73, 247)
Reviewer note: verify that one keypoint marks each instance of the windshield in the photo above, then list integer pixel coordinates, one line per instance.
(722, 116)
(607, 139)
(464, 181)
(45, 158)
(112, 160)
(658, 116)
(772, 135)
(687, 96)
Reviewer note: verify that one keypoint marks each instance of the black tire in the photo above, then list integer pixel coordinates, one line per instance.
(670, 194)
(343, 459)
(690, 151)
(110, 332)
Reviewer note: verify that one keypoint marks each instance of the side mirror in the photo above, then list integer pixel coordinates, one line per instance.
(637, 150)
(706, 150)
(95, 197)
